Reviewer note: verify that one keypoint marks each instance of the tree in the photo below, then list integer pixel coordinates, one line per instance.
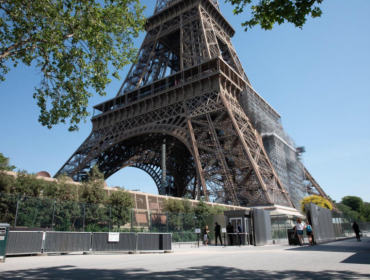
(174, 209)
(354, 202)
(94, 195)
(93, 191)
(173, 205)
(347, 211)
(121, 203)
(4, 162)
(268, 12)
(316, 199)
(71, 43)
(367, 211)
(218, 210)
(202, 210)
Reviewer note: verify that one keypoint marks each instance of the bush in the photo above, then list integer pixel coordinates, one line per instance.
(316, 199)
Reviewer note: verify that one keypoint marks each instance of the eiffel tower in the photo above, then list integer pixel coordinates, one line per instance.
(186, 100)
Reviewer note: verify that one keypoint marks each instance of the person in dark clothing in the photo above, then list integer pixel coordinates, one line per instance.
(230, 229)
(239, 231)
(218, 232)
(357, 231)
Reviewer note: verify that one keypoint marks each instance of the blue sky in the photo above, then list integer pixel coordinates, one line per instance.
(317, 78)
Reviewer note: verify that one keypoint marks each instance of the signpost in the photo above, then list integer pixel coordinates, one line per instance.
(224, 232)
(197, 231)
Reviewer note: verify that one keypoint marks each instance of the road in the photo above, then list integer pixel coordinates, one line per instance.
(337, 260)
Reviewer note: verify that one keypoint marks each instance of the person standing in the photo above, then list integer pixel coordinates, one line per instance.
(218, 232)
(230, 231)
(299, 227)
(309, 232)
(357, 231)
(206, 235)
(239, 230)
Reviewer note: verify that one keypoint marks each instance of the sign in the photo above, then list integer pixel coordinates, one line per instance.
(197, 230)
(2, 237)
(223, 230)
(113, 237)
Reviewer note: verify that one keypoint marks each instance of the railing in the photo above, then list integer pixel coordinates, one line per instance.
(23, 212)
(168, 85)
(66, 242)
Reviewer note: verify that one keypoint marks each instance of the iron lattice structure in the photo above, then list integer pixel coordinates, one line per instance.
(189, 89)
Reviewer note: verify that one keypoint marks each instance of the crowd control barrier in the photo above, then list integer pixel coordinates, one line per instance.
(24, 242)
(33, 242)
(100, 242)
(154, 242)
(66, 242)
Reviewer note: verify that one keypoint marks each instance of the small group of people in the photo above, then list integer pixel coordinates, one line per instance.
(217, 234)
(229, 229)
(299, 227)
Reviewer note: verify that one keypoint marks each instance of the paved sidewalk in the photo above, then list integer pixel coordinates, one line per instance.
(337, 260)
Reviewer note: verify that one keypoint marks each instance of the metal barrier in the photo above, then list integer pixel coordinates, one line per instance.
(24, 242)
(154, 241)
(65, 242)
(29, 242)
(100, 243)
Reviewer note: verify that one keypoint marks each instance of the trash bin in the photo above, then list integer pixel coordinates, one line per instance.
(4, 231)
(292, 237)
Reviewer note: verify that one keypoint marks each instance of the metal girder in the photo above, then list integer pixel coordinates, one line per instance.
(315, 188)
(184, 87)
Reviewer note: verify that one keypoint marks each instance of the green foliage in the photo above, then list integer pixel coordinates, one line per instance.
(121, 202)
(93, 191)
(316, 199)
(96, 228)
(8, 206)
(4, 161)
(34, 212)
(173, 205)
(71, 43)
(347, 211)
(268, 12)
(202, 209)
(68, 215)
(94, 195)
(366, 211)
(354, 202)
(7, 182)
(218, 210)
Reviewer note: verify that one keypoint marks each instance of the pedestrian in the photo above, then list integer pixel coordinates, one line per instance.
(230, 231)
(239, 231)
(206, 235)
(309, 232)
(299, 227)
(218, 232)
(357, 231)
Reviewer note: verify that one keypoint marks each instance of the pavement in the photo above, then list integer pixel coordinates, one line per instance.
(346, 259)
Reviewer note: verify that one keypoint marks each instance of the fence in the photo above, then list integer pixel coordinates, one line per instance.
(66, 242)
(342, 226)
(331, 225)
(23, 212)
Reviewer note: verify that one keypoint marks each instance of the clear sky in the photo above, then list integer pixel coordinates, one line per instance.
(317, 78)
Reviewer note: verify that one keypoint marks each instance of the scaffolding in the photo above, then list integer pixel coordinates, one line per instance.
(280, 147)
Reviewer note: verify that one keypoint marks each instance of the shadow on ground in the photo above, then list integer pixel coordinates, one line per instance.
(361, 250)
(205, 272)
